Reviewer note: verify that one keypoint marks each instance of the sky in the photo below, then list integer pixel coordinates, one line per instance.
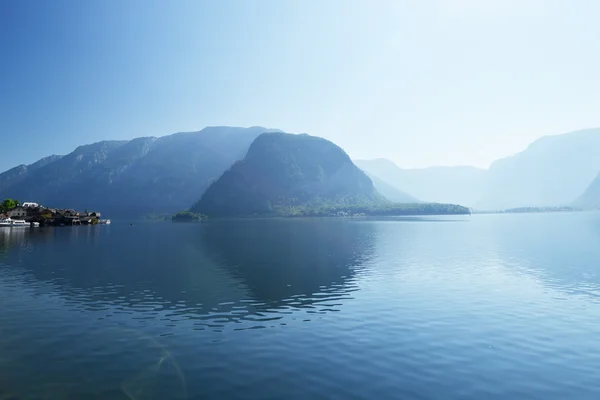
(421, 82)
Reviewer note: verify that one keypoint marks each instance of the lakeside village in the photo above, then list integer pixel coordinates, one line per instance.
(15, 214)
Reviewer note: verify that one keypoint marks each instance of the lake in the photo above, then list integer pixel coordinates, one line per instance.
(466, 307)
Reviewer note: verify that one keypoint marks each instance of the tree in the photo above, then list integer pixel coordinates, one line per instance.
(7, 205)
(187, 216)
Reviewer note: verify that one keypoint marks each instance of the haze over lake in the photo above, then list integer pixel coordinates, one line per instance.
(265, 200)
(482, 306)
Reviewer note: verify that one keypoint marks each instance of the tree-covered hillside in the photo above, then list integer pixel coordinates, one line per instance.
(284, 170)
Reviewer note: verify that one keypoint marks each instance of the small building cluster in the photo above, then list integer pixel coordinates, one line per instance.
(33, 212)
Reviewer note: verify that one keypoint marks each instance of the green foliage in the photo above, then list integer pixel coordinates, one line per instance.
(388, 209)
(156, 217)
(540, 209)
(187, 216)
(7, 205)
(323, 209)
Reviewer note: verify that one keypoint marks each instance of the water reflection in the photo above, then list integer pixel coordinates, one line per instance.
(14, 241)
(282, 260)
(556, 249)
(462, 309)
(118, 292)
(12, 237)
(218, 272)
(99, 362)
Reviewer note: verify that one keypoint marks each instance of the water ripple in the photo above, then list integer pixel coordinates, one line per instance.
(489, 307)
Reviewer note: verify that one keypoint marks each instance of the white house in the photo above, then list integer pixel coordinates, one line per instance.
(29, 204)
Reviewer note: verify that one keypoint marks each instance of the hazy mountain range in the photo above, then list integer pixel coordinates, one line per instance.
(171, 173)
(391, 192)
(132, 178)
(552, 171)
(457, 185)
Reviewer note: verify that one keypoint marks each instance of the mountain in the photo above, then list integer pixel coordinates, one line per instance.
(591, 197)
(132, 178)
(390, 192)
(283, 171)
(18, 174)
(458, 185)
(552, 171)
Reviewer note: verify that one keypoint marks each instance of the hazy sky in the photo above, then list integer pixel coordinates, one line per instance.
(422, 82)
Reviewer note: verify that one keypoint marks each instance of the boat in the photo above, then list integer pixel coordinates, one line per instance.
(19, 223)
(35, 224)
(12, 223)
(104, 222)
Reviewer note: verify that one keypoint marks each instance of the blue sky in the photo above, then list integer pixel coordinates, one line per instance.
(433, 82)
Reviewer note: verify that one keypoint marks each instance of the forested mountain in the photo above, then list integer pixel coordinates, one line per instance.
(282, 171)
(132, 178)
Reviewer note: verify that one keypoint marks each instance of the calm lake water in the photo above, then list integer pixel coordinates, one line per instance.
(478, 307)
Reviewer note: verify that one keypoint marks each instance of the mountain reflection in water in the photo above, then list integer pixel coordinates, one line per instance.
(483, 306)
(221, 271)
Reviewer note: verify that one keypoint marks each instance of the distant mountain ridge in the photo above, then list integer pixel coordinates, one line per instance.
(150, 175)
(391, 192)
(551, 171)
(284, 171)
(456, 185)
(132, 178)
(19, 173)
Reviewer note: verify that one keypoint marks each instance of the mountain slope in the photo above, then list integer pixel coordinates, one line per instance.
(283, 170)
(552, 171)
(457, 185)
(137, 177)
(18, 174)
(390, 192)
(591, 197)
